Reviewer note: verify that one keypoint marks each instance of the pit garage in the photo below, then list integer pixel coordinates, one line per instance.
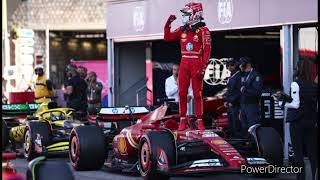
(275, 41)
(261, 44)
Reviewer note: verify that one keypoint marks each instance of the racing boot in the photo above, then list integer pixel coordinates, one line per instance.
(200, 125)
(182, 124)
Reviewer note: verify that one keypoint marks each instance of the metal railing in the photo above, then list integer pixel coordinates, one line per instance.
(138, 92)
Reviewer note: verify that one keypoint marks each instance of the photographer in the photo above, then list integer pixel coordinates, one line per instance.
(75, 90)
(302, 116)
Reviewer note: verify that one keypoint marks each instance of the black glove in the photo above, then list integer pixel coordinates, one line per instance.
(281, 96)
(171, 19)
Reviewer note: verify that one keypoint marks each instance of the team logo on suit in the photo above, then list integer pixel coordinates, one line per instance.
(189, 46)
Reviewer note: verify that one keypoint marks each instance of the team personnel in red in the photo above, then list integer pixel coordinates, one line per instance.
(195, 42)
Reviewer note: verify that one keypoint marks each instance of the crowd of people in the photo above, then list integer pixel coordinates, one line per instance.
(82, 91)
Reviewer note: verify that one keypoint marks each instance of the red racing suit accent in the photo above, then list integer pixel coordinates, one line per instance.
(195, 54)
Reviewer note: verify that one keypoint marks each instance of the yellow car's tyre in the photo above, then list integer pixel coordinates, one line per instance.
(5, 135)
(32, 131)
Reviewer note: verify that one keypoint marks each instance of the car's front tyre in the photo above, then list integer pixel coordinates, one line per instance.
(5, 135)
(49, 170)
(87, 148)
(156, 155)
(270, 147)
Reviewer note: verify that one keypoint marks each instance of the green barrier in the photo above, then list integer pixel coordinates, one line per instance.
(15, 109)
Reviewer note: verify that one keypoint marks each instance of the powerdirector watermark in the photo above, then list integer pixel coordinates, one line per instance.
(270, 169)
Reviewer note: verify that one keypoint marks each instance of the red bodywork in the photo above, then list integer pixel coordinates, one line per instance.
(21, 97)
(8, 169)
(125, 145)
(157, 120)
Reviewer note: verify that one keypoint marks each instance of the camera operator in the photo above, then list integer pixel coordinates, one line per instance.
(302, 116)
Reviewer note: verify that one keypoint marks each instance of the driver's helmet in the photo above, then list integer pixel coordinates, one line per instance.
(194, 11)
(55, 117)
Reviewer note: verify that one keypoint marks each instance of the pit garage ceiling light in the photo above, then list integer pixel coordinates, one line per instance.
(58, 39)
(51, 34)
(273, 33)
(252, 37)
(89, 36)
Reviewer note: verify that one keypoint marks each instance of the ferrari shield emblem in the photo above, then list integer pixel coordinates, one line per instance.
(218, 142)
(122, 146)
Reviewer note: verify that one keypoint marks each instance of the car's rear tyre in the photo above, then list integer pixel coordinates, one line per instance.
(156, 146)
(5, 135)
(51, 170)
(87, 148)
(270, 146)
(30, 135)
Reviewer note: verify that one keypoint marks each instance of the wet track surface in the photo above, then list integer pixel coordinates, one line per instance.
(107, 174)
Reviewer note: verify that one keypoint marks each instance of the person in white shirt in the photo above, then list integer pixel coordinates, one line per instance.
(302, 115)
(172, 90)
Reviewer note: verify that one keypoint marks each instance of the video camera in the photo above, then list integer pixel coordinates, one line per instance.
(281, 96)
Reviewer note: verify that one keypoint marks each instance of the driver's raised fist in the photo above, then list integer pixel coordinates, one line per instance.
(171, 18)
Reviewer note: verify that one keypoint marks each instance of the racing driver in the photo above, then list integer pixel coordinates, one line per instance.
(195, 42)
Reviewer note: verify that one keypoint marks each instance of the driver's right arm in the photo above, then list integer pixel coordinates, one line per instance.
(168, 35)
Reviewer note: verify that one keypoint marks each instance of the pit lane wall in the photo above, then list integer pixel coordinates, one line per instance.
(144, 19)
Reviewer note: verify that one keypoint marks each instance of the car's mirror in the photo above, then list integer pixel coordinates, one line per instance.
(32, 118)
(148, 126)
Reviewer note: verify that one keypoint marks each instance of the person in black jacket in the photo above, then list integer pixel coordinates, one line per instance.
(232, 98)
(302, 116)
(76, 91)
(251, 90)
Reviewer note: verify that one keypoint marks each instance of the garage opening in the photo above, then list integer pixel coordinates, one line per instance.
(262, 45)
(130, 73)
(77, 46)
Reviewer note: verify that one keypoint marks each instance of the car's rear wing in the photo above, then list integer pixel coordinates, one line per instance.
(118, 113)
(19, 109)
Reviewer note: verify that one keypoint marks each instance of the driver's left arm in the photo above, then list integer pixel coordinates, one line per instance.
(206, 44)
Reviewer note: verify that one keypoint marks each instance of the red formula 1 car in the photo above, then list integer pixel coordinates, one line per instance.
(38, 169)
(8, 168)
(132, 139)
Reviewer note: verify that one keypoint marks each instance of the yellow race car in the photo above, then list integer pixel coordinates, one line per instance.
(49, 129)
